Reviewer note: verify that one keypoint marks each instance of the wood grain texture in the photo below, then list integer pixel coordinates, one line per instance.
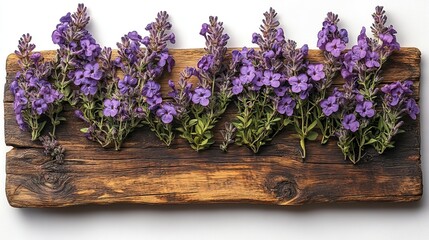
(147, 172)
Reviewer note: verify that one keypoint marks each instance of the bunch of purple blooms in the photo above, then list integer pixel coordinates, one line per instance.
(263, 95)
(122, 102)
(332, 41)
(76, 59)
(35, 100)
(199, 108)
(397, 101)
(361, 124)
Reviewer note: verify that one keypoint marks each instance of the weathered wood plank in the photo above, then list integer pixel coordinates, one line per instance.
(145, 171)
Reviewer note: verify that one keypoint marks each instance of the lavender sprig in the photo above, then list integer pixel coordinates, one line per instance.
(120, 104)
(264, 104)
(397, 102)
(199, 109)
(332, 41)
(77, 54)
(361, 124)
(35, 99)
(53, 149)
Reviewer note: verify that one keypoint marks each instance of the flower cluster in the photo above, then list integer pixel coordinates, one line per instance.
(397, 101)
(200, 108)
(76, 60)
(36, 101)
(261, 86)
(119, 103)
(332, 41)
(360, 123)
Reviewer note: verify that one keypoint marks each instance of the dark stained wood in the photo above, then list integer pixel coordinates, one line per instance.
(147, 172)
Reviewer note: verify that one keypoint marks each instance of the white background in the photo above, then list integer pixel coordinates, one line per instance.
(301, 21)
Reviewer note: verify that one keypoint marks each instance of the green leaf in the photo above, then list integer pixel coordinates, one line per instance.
(199, 127)
(238, 125)
(249, 123)
(241, 119)
(312, 125)
(198, 130)
(276, 120)
(67, 91)
(192, 122)
(84, 130)
(286, 122)
(312, 135)
(371, 141)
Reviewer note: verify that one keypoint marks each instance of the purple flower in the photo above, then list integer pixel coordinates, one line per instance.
(316, 71)
(335, 47)
(57, 37)
(322, 39)
(126, 84)
(350, 123)
(151, 88)
(36, 57)
(49, 94)
(280, 35)
(172, 38)
(298, 83)
(256, 37)
(19, 103)
(89, 87)
(14, 86)
(304, 50)
(412, 108)
(79, 114)
(204, 29)
(134, 36)
(362, 36)
(247, 74)
(359, 51)
(39, 106)
(201, 96)
(280, 91)
(344, 35)
(237, 86)
(271, 79)
(154, 101)
(93, 71)
(394, 92)
(111, 107)
(146, 41)
(206, 62)
(304, 94)
(166, 113)
(139, 113)
(20, 121)
(166, 59)
(79, 77)
(372, 60)
(286, 105)
(365, 109)
(329, 106)
(66, 18)
(89, 48)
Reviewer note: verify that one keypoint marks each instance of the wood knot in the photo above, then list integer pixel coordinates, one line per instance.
(50, 184)
(285, 190)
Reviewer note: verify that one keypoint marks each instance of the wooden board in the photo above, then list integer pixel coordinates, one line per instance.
(147, 172)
